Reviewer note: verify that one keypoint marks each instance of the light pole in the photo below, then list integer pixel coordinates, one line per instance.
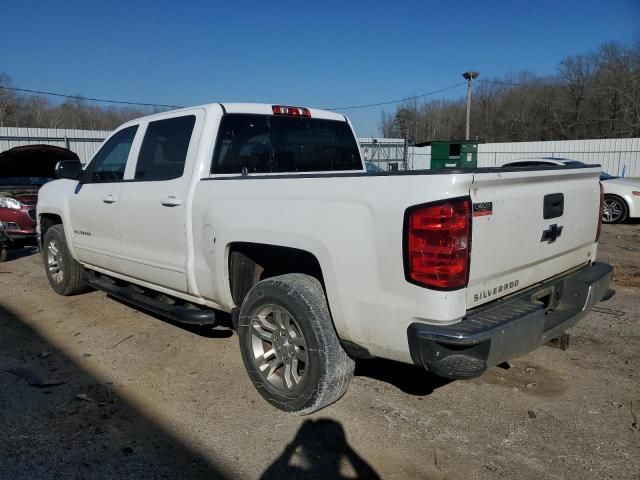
(469, 76)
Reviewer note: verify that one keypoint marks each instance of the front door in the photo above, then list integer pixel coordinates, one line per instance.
(94, 206)
(153, 207)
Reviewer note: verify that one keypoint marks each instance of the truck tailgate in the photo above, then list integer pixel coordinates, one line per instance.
(513, 244)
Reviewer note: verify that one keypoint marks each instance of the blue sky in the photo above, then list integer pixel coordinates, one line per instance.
(322, 54)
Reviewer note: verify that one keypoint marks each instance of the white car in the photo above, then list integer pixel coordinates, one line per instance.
(621, 195)
(267, 212)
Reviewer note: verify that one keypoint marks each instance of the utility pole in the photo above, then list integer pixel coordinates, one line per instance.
(405, 153)
(469, 76)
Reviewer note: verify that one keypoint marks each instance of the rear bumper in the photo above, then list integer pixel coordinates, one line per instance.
(510, 327)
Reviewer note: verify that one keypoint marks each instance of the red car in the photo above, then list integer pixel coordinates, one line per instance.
(23, 170)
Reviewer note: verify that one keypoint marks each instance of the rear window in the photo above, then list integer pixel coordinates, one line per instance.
(273, 144)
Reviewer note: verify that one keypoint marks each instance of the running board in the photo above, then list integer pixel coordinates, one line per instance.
(186, 313)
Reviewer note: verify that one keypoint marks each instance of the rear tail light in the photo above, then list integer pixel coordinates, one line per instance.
(290, 111)
(437, 240)
(600, 212)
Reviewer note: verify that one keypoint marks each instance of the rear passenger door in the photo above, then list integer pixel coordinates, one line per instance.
(154, 206)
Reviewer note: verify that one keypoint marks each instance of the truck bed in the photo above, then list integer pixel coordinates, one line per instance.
(352, 222)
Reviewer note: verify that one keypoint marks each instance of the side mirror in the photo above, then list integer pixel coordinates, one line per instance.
(70, 169)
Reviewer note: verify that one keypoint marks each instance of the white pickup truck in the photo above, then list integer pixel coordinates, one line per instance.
(266, 212)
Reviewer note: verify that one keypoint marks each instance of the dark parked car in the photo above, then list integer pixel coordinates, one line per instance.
(23, 170)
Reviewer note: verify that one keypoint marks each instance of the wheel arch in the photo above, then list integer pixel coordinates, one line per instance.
(56, 216)
(621, 197)
(249, 262)
(47, 220)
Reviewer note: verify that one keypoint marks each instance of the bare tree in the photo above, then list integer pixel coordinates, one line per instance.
(7, 101)
(595, 95)
(37, 111)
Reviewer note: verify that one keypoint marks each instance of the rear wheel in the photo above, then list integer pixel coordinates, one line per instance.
(4, 251)
(289, 345)
(615, 210)
(66, 276)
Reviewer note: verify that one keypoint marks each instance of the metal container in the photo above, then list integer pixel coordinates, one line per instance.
(454, 154)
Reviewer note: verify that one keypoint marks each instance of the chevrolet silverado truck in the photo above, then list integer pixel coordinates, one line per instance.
(266, 212)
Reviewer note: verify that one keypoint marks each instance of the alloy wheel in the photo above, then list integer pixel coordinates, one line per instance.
(279, 348)
(54, 262)
(612, 211)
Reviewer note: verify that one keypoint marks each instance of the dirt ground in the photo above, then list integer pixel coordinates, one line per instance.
(123, 394)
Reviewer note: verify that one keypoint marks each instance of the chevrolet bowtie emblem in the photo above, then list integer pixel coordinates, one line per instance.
(551, 234)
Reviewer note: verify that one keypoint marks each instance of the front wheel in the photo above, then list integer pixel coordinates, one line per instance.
(66, 276)
(615, 210)
(289, 345)
(4, 252)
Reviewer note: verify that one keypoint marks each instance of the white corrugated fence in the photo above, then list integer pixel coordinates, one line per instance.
(83, 142)
(618, 156)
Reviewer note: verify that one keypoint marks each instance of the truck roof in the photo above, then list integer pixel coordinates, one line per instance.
(255, 108)
(266, 109)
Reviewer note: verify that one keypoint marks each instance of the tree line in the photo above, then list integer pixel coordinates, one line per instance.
(596, 95)
(19, 110)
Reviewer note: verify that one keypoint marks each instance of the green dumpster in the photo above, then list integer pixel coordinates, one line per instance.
(453, 154)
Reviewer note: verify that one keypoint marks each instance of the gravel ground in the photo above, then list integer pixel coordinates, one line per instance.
(123, 394)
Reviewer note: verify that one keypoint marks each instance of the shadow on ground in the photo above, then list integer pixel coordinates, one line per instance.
(16, 253)
(319, 451)
(222, 329)
(408, 378)
(58, 421)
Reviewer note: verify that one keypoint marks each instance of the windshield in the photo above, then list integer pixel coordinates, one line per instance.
(606, 176)
(270, 144)
(372, 167)
(25, 181)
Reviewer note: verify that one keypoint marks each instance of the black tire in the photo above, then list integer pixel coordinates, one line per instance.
(4, 251)
(615, 210)
(66, 276)
(325, 376)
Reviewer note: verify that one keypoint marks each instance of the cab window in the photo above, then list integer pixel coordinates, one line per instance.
(164, 149)
(109, 163)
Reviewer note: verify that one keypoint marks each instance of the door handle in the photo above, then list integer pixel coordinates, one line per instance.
(109, 198)
(170, 201)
